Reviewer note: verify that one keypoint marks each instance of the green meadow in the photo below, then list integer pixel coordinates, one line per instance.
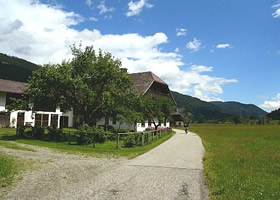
(241, 161)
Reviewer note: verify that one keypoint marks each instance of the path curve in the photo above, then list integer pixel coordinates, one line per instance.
(172, 170)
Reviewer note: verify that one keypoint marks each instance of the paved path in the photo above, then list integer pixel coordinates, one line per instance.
(173, 170)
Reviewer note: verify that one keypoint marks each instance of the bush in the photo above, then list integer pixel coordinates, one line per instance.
(88, 135)
(84, 137)
(20, 131)
(56, 134)
(129, 140)
(37, 132)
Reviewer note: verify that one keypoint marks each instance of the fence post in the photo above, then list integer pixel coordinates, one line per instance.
(153, 135)
(69, 139)
(93, 140)
(118, 141)
(143, 138)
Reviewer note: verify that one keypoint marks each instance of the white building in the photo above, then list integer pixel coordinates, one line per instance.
(22, 117)
(145, 83)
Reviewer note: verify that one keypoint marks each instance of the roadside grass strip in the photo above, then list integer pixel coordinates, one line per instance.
(107, 149)
(241, 161)
(15, 146)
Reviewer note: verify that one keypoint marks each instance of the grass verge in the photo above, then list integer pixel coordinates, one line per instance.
(10, 168)
(241, 161)
(108, 149)
(15, 146)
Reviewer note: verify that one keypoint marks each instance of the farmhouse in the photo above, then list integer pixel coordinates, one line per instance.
(148, 84)
(145, 83)
(14, 89)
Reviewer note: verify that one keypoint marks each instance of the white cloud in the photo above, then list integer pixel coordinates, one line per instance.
(89, 3)
(94, 19)
(223, 46)
(177, 50)
(276, 14)
(181, 32)
(194, 45)
(273, 104)
(135, 8)
(31, 35)
(103, 9)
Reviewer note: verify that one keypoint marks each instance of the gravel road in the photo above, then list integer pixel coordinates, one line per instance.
(173, 170)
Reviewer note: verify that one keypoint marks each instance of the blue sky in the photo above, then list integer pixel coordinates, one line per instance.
(215, 50)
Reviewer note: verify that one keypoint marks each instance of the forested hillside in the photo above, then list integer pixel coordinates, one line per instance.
(17, 69)
(199, 109)
(235, 108)
(275, 115)
(216, 110)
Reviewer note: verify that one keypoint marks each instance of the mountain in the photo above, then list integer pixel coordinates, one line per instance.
(198, 108)
(16, 69)
(215, 110)
(275, 115)
(235, 108)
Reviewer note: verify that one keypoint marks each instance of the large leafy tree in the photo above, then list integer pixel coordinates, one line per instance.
(157, 110)
(93, 84)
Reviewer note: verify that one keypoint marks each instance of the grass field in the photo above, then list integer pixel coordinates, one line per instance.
(242, 161)
(108, 149)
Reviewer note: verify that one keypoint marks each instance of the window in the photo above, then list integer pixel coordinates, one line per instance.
(143, 123)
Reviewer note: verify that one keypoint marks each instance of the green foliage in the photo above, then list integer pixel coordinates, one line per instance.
(56, 134)
(156, 109)
(88, 135)
(84, 137)
(17, 104)
(132, 139)
(275, 115)
(241, 161)
(93, 83)
(129, 140)
(16, 69)
(38, 132)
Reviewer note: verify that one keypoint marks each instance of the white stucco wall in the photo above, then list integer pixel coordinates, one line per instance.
(70, 116)
(138, 127)
(2, 101)
(13, 119)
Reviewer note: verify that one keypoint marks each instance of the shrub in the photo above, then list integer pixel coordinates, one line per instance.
(129, 140)
(20, 131)
(56, 134)
(83, 137)
(37, 132)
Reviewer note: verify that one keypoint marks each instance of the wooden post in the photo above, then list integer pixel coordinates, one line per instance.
(148, 138)
(93, 140)
(118, 141)
(143, 138)
(69, 139)
(153, 135)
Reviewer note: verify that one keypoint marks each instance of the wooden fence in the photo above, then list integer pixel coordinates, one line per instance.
(154, 133)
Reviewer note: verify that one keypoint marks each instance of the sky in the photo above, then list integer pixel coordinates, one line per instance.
(225, 50)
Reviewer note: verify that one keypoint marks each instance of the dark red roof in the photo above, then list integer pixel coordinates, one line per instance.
(12, 86)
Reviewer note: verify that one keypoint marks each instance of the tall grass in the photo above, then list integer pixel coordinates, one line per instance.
(242, 161)
(8, 168)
